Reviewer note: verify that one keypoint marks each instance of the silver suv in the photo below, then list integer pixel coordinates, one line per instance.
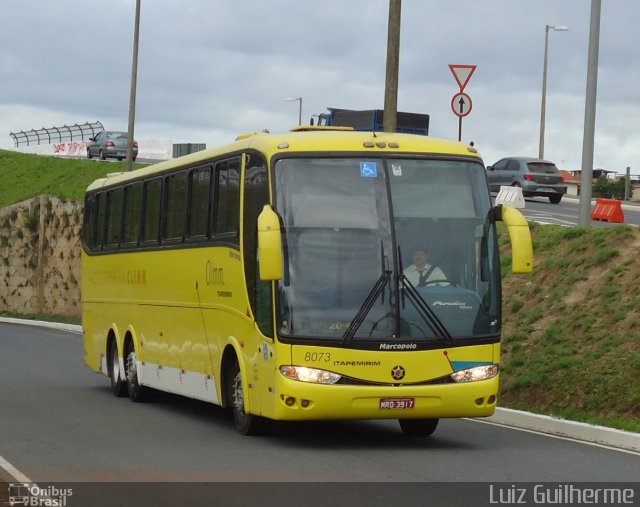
(538, 178)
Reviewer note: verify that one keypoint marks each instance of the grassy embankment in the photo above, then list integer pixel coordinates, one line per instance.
(24, 176)
(571, 330)
(571, 341)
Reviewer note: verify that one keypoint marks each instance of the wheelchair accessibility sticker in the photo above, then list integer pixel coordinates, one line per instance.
(368, 169)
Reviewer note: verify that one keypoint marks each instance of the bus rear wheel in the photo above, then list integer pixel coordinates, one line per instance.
(118, 386)
(418, 427)
(246, 424)
(137, 392)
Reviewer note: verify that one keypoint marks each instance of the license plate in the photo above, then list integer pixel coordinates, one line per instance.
(397, 403)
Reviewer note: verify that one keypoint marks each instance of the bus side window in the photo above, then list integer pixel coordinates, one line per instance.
(227, 198)
(151, 210)
(199, 201)
(89, 222)
(114, 217)
(132, 214)
(175, 207)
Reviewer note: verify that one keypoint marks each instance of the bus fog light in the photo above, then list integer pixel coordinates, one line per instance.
(304, 374)
(476, 374)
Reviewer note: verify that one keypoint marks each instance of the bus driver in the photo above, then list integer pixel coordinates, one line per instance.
(421, 273)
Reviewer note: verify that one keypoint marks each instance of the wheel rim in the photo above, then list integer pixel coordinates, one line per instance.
(132, 372)
(238, 397)
(115, 364)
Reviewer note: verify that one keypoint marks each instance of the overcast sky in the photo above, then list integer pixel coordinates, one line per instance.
(212, 69)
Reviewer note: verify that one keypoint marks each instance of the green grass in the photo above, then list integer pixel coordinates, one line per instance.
(24, 176)
(571, 330)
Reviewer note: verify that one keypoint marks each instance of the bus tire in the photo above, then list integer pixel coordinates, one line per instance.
(118, 386)
(418, 427)
(246, 424)
(137, 393)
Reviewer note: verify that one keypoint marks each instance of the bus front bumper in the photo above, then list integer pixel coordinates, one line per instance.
(294, 400)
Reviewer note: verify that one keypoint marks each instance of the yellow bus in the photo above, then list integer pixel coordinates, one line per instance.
(270, 276)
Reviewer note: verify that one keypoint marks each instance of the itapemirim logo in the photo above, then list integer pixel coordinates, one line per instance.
(32, 495)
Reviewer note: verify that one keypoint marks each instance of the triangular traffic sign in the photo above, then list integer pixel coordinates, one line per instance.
(462, 73)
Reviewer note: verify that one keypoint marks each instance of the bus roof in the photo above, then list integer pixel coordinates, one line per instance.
(305, 140)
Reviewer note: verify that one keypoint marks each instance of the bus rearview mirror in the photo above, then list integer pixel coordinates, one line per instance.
(270, 245)
(520, 236)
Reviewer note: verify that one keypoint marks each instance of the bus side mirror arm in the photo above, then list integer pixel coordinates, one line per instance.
(270, 252)
(520, 235)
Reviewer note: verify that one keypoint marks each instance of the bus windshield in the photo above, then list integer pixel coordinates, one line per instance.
(381, 250)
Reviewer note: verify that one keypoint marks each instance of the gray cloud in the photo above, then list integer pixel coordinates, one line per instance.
(210, 70)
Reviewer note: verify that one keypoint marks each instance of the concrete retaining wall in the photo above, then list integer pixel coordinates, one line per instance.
(40, 257)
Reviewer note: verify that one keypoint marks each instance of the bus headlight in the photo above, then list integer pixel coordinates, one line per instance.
(304, 374)
(475, 374)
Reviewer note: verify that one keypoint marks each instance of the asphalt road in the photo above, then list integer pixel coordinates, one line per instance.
(60, 423)
(566, 213)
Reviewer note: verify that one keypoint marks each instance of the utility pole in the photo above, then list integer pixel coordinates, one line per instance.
(627, 184)
(390, 121)
(134, 82)
(586, 178)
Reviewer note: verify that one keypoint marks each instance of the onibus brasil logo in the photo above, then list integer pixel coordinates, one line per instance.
(30, 494)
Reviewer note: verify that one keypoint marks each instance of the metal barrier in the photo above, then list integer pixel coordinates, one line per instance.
(76, 132)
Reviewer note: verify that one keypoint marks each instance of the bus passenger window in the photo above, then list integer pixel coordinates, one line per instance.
(100, 219)
(227, 201)
(200, 185)
(132, 213)
(89, 222)
(151, 224)
(114, 217)
(175, 206)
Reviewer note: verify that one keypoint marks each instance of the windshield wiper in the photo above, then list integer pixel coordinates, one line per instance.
(427, 314)
(374, 293)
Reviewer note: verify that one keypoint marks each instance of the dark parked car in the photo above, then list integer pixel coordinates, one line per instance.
(538, 178)
(109, 144)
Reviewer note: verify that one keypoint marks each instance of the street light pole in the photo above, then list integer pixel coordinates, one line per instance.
(560, 28)
(586, 177)
(134, 82)
(299, 99)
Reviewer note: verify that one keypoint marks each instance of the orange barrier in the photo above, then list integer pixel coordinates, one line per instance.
(608, 210)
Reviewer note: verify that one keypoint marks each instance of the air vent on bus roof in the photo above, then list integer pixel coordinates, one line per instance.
(316, 128)
(252, 134)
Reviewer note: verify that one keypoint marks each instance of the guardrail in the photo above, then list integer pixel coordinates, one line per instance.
(66, 133)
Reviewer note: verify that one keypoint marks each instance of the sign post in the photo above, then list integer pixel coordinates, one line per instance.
(461, 102)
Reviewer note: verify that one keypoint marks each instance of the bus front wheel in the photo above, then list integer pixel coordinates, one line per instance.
(418, 427)
(246, 424)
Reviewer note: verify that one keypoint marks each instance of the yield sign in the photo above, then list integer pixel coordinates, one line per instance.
(462, 73)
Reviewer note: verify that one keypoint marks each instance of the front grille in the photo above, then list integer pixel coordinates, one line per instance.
(359, 382)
